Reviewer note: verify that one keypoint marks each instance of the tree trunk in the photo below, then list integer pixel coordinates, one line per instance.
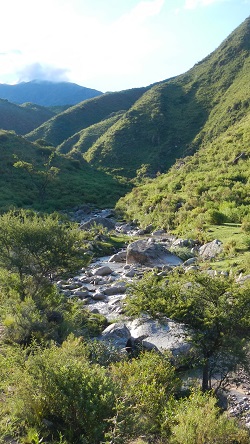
(205, 375)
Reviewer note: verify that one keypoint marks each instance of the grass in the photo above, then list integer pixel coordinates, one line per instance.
(236, 246)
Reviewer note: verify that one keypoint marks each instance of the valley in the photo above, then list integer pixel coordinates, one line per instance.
(125, 258)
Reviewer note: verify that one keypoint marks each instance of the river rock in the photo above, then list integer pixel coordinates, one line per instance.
(118, 257)
(190, 261)
(116, 333)
(164, 335)
(106, 223)
(82, 294)
(183, 243)
(115, 289)
(159, 232)
(102, 271)
(98, 296)
(151, 254)
(124, 228)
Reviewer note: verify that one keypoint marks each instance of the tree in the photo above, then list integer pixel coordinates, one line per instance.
(40, 177)
(39, 246)
(215, 309)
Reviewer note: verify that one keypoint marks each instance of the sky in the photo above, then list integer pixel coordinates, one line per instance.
(111, 45)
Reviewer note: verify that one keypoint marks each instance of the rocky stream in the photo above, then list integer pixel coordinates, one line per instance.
(101, 288)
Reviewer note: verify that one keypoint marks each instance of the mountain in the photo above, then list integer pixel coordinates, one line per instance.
(174, 118)
(74, 119)
(83, 140)
(163, 122)
(22, 118)
(184, 140)
(210, 185)
(46, 93)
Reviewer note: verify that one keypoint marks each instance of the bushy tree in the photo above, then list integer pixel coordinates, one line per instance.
(40, 246)
(40, 177)
(215, 309)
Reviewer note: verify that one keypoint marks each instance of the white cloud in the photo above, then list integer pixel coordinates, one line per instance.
(192, 4)
(61, 37)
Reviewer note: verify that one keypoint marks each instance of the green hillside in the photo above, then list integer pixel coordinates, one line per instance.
(212, 186)
(50, 181)
(87, 113)
(82, 141)
(175, 117)
(22, 118)
(139, 134)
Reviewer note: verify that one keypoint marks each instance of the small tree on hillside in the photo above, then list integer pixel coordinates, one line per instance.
(215, 309)
(40, 177)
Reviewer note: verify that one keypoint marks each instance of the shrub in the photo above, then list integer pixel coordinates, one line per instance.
(145, 386)
(215, 217)
(198, 420)
(245, 226)
(59, 393)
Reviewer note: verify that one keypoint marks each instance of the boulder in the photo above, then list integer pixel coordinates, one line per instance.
(159, 232)
(82, 294)
(191, 261)
(102, 271)
(98, 296)
(150, 254)
(211, 249)
(116, 333)
(183, 243)
(118, 257)
(115, 289)
(106, 223)
(124, 228)
(164, 335)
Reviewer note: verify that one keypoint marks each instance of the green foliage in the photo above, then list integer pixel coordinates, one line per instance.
(41, 246)
(40, 312)
(87, 113)
(41, 178)
(80, 142)
(74, 183)
(145, 386)
(197, 420)
(22, 118)
(212, 188)
(33, 249)
(245, 226)
(215, 310)
(57, 392)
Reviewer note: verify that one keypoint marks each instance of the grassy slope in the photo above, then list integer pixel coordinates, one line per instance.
(173, 118)
(82, 141)
(77, 183)
(22, 118)
(210, 180)
(81, 116)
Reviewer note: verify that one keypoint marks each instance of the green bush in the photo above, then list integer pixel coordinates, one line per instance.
(245, 225)
(145, 386)
(57, 392)
(215, 217)
(197, 420)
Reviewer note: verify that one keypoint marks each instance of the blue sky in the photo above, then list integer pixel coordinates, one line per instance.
(111, 45)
